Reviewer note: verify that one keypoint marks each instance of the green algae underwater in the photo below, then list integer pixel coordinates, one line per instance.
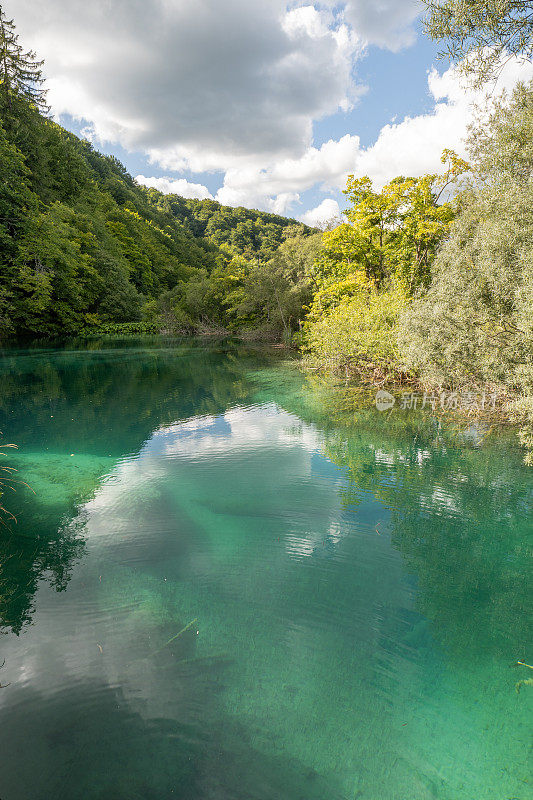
(231, 580)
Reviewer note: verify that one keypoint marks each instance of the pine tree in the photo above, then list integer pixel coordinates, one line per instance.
(20, 72)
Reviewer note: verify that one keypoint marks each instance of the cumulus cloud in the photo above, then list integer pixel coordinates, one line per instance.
(386, 23)
(192, 191)
(235, 86)
(411, 147)
(389, 24)
(208, 85)
(326, 165)
(414, 146)
(203, 85)
(327, 211)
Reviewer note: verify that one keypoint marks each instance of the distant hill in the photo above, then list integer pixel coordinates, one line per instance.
(248, 231)
(81, 244)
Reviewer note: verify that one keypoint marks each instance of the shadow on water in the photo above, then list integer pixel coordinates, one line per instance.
(89, 740)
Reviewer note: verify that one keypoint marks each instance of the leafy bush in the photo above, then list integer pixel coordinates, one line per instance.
(120, 329)
(360, 329)
(476, 322)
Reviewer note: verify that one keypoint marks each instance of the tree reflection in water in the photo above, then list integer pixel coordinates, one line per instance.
(100, 401)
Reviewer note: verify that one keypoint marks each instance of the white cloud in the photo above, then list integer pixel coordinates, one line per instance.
(327, 211)
(386, 23)
(327, 165)
(237, 429)
(194, 84)
(283, 202)
(413, 147)
(232, 86)
(235, 86)
(192, 191)
(210, 85)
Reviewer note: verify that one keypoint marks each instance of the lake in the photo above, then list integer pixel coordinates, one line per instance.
(231, 580)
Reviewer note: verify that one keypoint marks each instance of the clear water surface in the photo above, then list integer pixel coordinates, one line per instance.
(232, 582)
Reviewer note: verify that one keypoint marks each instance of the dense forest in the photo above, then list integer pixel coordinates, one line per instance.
(429, 278)
(251, 233)
(83, 246)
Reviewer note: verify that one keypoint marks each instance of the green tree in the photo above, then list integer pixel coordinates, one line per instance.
(247, 231)
(481, 34)
(17, 205)
(371, 268)
(357, 331)
(475, 324)
(83, 246)
(275, 295)
(263, 299)
(394, 233)
(20, 72)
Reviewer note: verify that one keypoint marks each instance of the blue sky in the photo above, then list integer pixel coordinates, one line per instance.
(396, 87)
(253, 102)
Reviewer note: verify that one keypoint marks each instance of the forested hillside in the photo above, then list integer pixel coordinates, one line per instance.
(246, 231)
(82, 245)
(80, 242)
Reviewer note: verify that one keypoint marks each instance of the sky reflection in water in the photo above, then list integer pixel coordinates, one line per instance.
(358, 589)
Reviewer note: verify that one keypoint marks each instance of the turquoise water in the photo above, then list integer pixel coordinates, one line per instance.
(231, 580)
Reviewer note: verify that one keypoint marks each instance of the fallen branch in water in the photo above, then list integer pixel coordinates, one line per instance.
(173, 638)
(3, 685)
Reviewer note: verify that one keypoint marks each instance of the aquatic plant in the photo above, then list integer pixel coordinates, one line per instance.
(524, 681)
(6, 482)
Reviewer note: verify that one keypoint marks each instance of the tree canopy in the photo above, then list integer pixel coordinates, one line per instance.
(371, 267)
(83, 247)
(481, 34)
(475, 324)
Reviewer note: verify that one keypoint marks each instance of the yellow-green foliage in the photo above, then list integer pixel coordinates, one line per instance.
(362, 326)
(371, 267)
(394, 233)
